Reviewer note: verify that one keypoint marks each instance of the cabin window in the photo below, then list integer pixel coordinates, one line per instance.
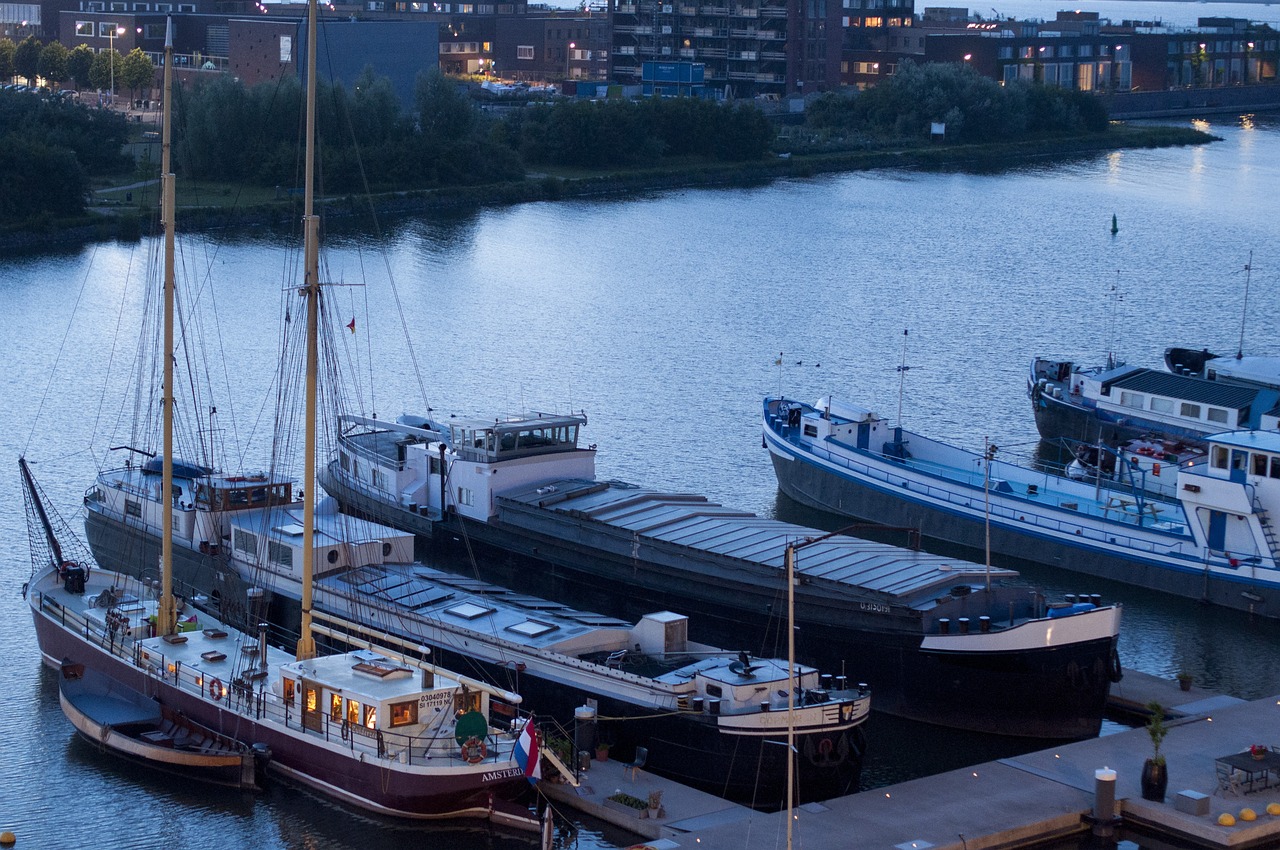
(345, 460)
(1217, 414)
(335, 707)
(290, 690)
(379, 479)
(1275, 467)
(1239, 460)
(1162, 405)
(465, 701)
(370, 716)
(353, 712)
(810, 430)
(311, 700)
(132, 508)
(464, 496)
(1219, 458)
(1191, 411)
(434, 466)
(714, 691)
(243, 541)
(1128, 399)
(404, 713)
(280, 554)
(1260, 464)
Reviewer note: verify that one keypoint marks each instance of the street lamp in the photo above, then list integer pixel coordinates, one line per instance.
(567, 57)
(111, 57)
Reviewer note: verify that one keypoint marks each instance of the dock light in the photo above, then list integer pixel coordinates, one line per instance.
(975, 773)
(968, 56)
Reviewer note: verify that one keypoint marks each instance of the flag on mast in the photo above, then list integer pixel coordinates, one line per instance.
(351, 326)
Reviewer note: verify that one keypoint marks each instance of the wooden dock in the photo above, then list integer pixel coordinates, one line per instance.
(1007, 803)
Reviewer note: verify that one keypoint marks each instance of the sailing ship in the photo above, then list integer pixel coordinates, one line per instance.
(386, 732)
(1213, 542)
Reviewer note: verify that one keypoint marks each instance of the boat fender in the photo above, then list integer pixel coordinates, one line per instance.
(346, 730)
(1226, 819)
(1114, 671)
(474, 751)
(1248, 814)
(215, 688)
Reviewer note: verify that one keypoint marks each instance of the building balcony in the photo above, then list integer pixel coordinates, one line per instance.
(714, 10)
(744, 12)
(743, 33)
(625, 9)
(712, 52)
(710, 32)
(688, 53)
(773, 13)
(773, 55)
(688, 11)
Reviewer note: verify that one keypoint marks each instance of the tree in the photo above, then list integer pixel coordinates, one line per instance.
(38, 179)
(100, 72)
(7, 49)
(79, 61)
(444, 113)
(26, 59)
(137, 71)
(53, 64)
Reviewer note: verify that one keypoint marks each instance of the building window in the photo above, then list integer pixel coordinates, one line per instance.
(1218, 415)
(1191, 410)
(286, 55)
(84, 29)
(106, 30)
(524, 51)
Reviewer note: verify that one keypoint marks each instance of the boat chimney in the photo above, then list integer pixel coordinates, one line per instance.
(1096, 599)
(944, 625)
(1070, 597)
(262, 646)
(984, 623)
(964, 625)
(826, 681)
(842, 682)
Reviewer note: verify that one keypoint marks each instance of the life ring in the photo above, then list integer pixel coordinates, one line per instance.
(64, 568)
(215, 689)
(1113, 669)
(474, 751)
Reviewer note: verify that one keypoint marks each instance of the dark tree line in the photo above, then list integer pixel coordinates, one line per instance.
(974, 108)
(48, 151)
(443, 140)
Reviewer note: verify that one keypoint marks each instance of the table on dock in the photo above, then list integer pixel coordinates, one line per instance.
(1255, 771)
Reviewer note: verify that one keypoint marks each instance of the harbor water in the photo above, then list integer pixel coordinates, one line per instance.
(666, 318)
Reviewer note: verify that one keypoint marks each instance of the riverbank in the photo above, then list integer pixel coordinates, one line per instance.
(116, 216)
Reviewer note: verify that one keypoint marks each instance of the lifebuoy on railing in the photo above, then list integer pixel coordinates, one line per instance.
(346, 730)
(215, 688)
(474, 751)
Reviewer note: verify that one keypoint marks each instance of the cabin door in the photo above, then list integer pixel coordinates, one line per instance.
(864, 435)
(312, 712)
(1217, 530)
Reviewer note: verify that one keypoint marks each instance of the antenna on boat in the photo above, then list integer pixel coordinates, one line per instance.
(1244, 310)
(988, 452)
(1115, 297)
(166, 611)
(902, 374)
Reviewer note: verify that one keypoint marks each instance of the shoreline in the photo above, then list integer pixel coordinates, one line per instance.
(104, 224)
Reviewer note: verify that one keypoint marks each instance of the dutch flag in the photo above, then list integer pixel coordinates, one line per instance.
(527, 754)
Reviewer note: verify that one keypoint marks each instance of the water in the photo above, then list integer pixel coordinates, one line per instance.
(662, 317)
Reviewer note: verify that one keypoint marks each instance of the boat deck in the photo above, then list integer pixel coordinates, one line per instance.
(691, 521)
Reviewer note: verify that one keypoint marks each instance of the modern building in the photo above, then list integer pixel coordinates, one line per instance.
(546, 45)
(747, 47)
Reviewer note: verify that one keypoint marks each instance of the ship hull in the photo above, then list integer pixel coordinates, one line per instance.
(845, 493)
(1061, 691)
(307, 758)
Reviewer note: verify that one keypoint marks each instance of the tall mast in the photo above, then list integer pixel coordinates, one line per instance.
(311, 290)
(791, 689)
(166, 614)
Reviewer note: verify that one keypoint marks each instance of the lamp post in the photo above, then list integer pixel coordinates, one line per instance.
(567, 57)
(111, 57)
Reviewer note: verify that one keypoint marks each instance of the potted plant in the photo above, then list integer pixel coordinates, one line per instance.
(655, 804)
(1155, 776)
(1184, 680)
(602, 751)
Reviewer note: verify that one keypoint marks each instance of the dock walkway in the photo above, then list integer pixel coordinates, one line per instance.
(1006, 803)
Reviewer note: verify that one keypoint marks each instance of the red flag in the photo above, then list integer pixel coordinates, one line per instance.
(352, 326)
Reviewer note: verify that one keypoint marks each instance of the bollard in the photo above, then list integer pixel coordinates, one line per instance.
(1104, 802)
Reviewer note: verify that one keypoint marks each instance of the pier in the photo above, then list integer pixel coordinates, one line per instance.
(1007, 803)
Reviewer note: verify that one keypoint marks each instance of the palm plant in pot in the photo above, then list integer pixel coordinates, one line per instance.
(1155, 776)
